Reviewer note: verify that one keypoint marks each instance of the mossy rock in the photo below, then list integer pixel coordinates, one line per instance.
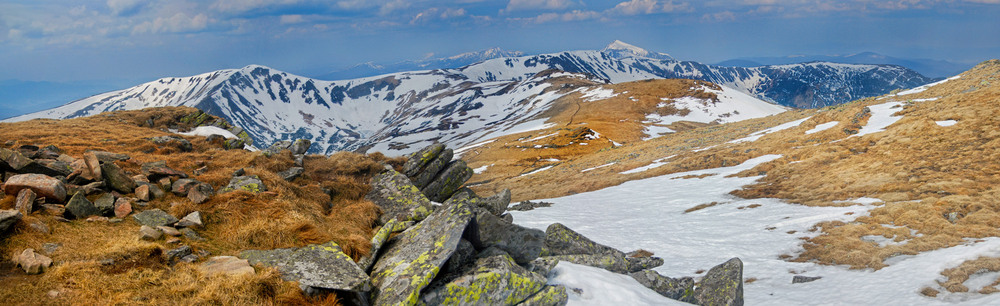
(722, 285)
(495, 280)
(322, 266)
(398, 198)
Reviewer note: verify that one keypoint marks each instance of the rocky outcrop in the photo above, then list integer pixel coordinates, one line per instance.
(561, 240)
(681, 289)
(300, 146)
(432, 170)
(43, 185)
(722, 285)
(323, 266)
(495, 280)
(115, 178)
(398, 198)
(523, 244)
(497, 203)
(448, 181)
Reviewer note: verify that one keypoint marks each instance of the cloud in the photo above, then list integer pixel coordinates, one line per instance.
(125, 7)
(720, 16)
(291, 19)
(574, 15)
(243, 6)
(432, 14)
(645, 7)
(523, 5)
(984, 1)
(178, 23)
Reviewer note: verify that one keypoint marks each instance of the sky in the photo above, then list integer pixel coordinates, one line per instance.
(100, 45)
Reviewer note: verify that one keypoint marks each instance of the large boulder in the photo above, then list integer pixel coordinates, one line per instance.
(416, 256)
(548, 296)
(398, 198)
(495, 280)
(45, 186)
(93, 165)
(379, 240)
(17, 162)
(522, 243)
(80, 207)
(560, 240)
(681, 289)
(722, 285)
(322, 266)
(300, 146)
(8, 217)
(497, 203)
(116, 178)
(610, 261)
(416, 162)
(448, 181)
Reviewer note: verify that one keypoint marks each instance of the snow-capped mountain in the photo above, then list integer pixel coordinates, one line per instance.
(619, 49)
(372, 69)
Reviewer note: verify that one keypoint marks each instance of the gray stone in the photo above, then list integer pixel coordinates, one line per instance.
(416, 256)
(158, 170)
(25, 201)
(276, 147)
(548, 296)
(105, 205)
(178, 253)
(429, 172)
(191, 234)
(379, 240)
(636, 264)
(169, 231)
(464, 254)
(681, 289)
(191, 220)
(497, 203)
(226, 265)
(322, 266)
(234, 143)
(108, 157)
(182, 186)
(180, 143)
(292, 173)
(300, 146)
(542, 265)
(798, 279)
(529, 205)
(448, 181)
(611, 262)
(560, 240)
(154, 217)
(155, 192)
(40, 227)
(33, 263)
(149, 234)
(116, 178)
(250, 183)
(200, 193)
(522, 243)
(722, 285)
(416, 162)
(44, 186)
(8, 218)
(80, 207)
(495, 280)
(398, 198)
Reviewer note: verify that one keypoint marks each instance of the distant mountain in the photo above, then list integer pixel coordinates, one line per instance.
(619, 49)
(372, 69)
(927, 67)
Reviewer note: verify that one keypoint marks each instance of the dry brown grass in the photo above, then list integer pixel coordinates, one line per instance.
(289, 214)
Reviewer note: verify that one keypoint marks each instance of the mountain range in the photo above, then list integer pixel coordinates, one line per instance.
(927, 67)
(400, 112)
(372, 69)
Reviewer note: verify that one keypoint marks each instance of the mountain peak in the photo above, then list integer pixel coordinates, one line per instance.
(621, 49)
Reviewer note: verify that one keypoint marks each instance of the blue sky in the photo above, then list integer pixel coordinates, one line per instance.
(125, 41)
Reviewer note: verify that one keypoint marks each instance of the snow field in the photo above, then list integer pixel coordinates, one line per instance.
(881, 118)
(822, 127)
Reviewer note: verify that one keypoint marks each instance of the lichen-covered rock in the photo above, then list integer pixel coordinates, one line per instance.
(398, 198)
(154, 217)
(611, 261)
(464, 254)
(233, 143)
(636, 264)
(380, 238)
(318, 265)
(560, 240)
(276, 147)
(116, 178)
(45, 186)
(548, 296)
(8, 217)
(249, 183)
(522, 243)
(722, 285)
(105, 205)
(416, 256)
(300, 146)
(448, 181)
(420, 159)
(80, 207)
(495, 280)
(292, 173)
(427, 174)
(681, 289)
(542, 265)
(497, 203)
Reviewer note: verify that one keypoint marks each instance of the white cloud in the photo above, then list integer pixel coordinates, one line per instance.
(437, 14)
(291, 19)
(575, 15)
(242, 6)
(638, 7)
(125, 7)
(720, 16)
(178, 23)
(517, 5)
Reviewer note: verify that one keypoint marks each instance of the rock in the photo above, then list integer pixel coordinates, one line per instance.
(165, 183)
(49, 167)
(636, 264)
(108, 157)
(415, 258)
(54, 209)
(300, 146)
(464, 254)
(116, 178)
(378, 241)
(154, 218)
(681, 289)
(426, 175)
(149, 234)
(80, 207)
(200, 193)
(299, 160)
(169, 231)
(322, 266)
(50, 248)
(98, 219)
(142, 192)
(495, 280)
(191, 220)
(233, 143)
(91, 188)
(548, 296)
(13, 160)
(105, 205)
(25, 202)
(178, 253)
(529, 205)
(804, 279)
(611, 262)
(448, 181)
(292, 173)
(155, 192)
(497, 203)
(190, 258)
(227, 266)
(180, 143)
(158, 170)
(93, 165)
(417, 161)
(542, 265)
(523, 244)
(398, 198)
(722, 285)
(123, 207)
(507, 218)
(140, 179)
(40, 227)
(276, 147)
(33, 263)
(182, 186)
(8, 218)
(191, 234)
(43, 186)
(250, 183)
(560, 240)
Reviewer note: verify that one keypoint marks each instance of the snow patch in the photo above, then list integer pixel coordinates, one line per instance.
(925, 87)
(597, 94)
(600, 287)
(208, 131)
(595, 168)
(759, 134)
(946, 122)
(881, 118)
(538, 170)
(822, 127)
(481, 169)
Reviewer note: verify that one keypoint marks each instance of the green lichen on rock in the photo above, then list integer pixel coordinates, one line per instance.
(398, 198)
(681, 289)
(318, 265)
(249, 183)
(416, 256)
(435, 165)
(560, 240)
(379, 240)
(419, 160)
(495, 280)
(523, 244)
(722, 285)
(548, 296)
(448, 181)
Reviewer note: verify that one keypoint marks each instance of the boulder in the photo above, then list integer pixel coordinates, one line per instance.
(250, 183)
(636, 264)
(191, 234)
(417, 161)
(116, 178)
(495, 280)
(415, 258)
(158, 170)
(49, 167)
(25, 201)
(33, 263)
(173, 255)
(80, 207)
(13, 160)
(233, 143)
(276, 147)
(464, 254)
(93, 165)
(142, 192)
(154, 217)
(448, 181)
(149, 234)
(44, 186)
(722, 285)
(497, 203)
(560, 240)
(529, 205)
(8, 217)
(108, 157)
(292, 173)
(226, 266)
(123, 207)
(611, 261)
(542, 265)
(105, 205)
(200, 193)
(180, 143)
(322, 266)
(182, 186)
(548, 296)
(427, 175)
(191, 220)
(681, 289)
(380, 238)
(798, 279)
(398, 198)
(300, 146)
(522, 243)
